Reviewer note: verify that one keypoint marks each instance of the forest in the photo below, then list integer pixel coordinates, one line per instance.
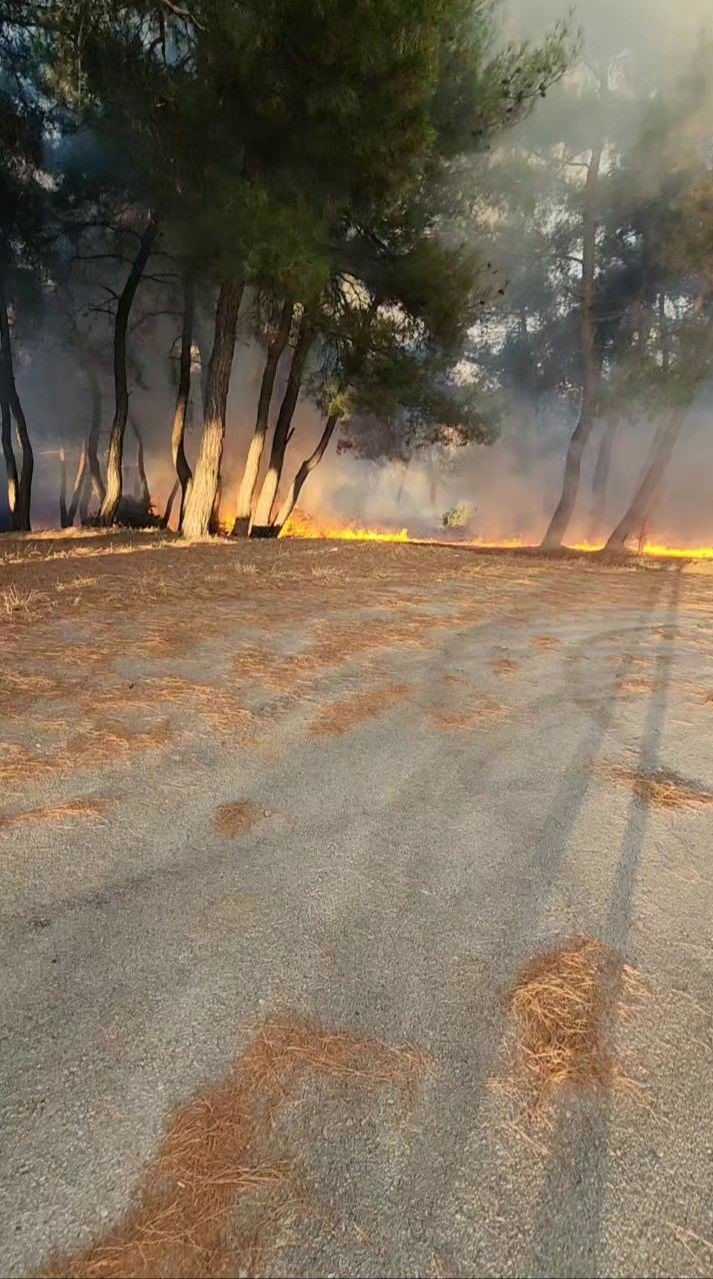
(414, 217)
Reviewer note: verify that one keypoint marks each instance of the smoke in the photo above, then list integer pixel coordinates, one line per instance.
(512, 485)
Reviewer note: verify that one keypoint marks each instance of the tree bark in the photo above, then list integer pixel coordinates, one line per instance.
(601, 478)
(112, 496)
(80, 486)
(166, 518)
(178, 430)
(206, 480)
(10, 463)
(62, 488)
(248, 483)
(144, 493)
(634, 519)
(9, 391)
(306, 470)
(590, 365)
(282, 435)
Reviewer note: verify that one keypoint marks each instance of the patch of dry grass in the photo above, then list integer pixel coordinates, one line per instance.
(562, 1005)
(87, 810)
(476, 712)
(16, 603)
(212, 1198)
(662, 788)
(348, 713)
(505, 666)
(547, 641)
(232, 820)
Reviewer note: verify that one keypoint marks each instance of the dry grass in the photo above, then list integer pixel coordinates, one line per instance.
(662, 789)
(453, 719)
(350, 712)
(232, 820)
(547, 641)
(637, 684)
(212, 1199)
(14, 603)
(562, 1004)
(87, 810)
(505, 666)
(95, 748)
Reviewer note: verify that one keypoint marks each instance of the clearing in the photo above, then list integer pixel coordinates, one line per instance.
(294, 837)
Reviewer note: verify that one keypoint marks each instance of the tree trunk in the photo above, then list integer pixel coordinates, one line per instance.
(112, 496)
(178, 431)
(246, 493)
(10, 463)
(590, 365)
(95, 471)
(601, 478)
(205, 485)
(634, 519)
(166, 518)
(9, 391)
(62, 488)
(306, 470)
(144, 493)
(77, 489)
(404, 464)
(282, 435)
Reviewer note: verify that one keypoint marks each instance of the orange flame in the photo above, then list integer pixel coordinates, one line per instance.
(301, 525)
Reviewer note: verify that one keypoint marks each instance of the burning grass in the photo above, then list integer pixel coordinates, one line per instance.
(212, 1198)
(230, 821)
(562, 1005)
(662, 789)
(87, 810)
(341, 716)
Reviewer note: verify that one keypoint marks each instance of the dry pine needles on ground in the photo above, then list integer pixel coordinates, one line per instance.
(562, 1006)
(212, 1198)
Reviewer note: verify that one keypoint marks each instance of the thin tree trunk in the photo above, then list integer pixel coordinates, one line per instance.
(79, 486)
(27, 460)
(404, 463)
(95, 471)
(166, 519)
(178, 430)
(601, 478)
(282, 435)
(635, 518)
(248, 483)
(306, 470)
(112, 496)
(10, 463)
(62, 488)
(206, 479)
(590, 365)
(144, 493)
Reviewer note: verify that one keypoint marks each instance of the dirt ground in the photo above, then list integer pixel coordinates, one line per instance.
(353, 787)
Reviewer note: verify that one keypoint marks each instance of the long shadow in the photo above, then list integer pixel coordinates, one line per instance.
(454, 1116)
(569, 1233)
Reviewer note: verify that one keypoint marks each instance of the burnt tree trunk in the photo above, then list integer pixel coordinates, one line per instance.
(601, 478)
(306, 470)
(590, 364)
(10, 463)
(62, 488)
(633, 521)
(282, 435)
(248, 483)
(112, 496)
(9, 391)
(183, 393)
(206, 480)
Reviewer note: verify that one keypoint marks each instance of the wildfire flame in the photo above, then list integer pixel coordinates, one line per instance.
(301, 525)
